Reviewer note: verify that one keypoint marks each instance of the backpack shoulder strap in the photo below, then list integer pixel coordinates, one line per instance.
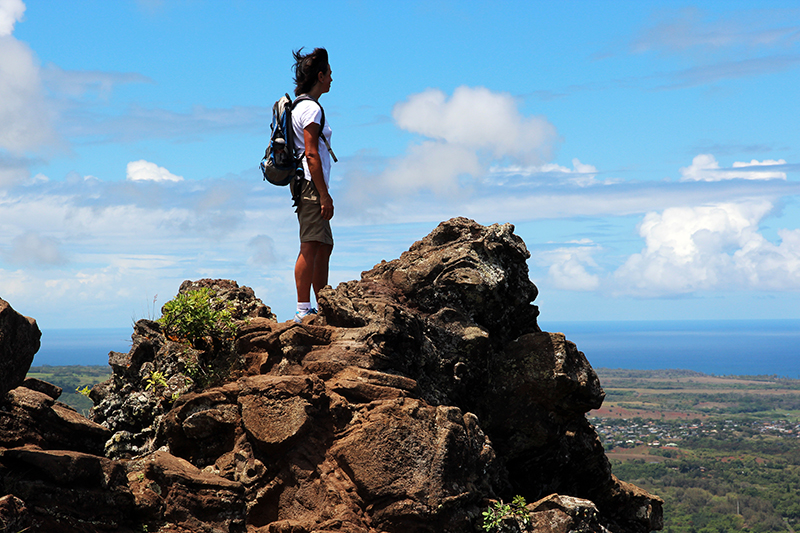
(303, 97)
(322, 122)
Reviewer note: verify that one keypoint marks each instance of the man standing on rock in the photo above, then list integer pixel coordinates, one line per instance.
(314, 203)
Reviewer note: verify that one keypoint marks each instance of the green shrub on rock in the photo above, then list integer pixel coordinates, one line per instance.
(497, 513)
(195, 315)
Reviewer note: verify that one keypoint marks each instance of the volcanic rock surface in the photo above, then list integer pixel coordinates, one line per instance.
(418, 395)
(19, 341)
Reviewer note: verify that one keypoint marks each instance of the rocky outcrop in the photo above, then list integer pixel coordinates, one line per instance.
(240, 301)
(19, 342)
(31, 417)
(419, 394)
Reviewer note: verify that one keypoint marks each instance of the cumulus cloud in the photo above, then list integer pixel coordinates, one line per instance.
(145, 171)
(478, 119)
(463, 135)
(25, 120)
(108, 244)
(710, 247)
(435, 166)
(11, 12)
(569, 267)
(705, 167)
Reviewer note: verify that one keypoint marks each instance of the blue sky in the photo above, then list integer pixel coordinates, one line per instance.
(647, 152)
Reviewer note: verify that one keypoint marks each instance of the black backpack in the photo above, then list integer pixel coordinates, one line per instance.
(280, 163)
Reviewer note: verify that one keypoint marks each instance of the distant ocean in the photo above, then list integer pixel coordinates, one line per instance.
(62, 347)
(721, 347)
(724, 347)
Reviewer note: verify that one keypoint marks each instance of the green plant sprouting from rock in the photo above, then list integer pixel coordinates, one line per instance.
(493, 517)
(156, 379)
(195, 315)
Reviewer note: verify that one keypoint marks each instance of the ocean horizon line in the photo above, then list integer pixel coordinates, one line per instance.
(711, 346)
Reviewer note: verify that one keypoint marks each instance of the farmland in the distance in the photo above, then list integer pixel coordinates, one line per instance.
(722, 451)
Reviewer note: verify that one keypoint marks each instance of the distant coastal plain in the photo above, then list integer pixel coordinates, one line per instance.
(721, 451)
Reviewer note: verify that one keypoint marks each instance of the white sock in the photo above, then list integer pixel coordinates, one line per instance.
(303, 307)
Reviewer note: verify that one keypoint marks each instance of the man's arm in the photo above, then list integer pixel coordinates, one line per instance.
(311, 137)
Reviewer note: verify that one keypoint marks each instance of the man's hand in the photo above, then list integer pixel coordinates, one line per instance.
(326, 206)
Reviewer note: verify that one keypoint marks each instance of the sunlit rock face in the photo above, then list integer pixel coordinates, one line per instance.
(418, 394)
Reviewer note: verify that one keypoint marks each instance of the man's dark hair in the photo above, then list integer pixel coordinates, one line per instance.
(307, 68)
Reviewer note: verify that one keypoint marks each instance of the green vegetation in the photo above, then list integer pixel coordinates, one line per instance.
(723, 452)
(204, 324)
(74, 380)
(499, 512)
(155, 380)
(195, 315)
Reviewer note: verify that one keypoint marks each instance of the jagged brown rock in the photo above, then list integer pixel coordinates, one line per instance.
(14, 514)
(172, 490)
(66, 490)
(19, 342)
(420, 393)
(563, 514)
(30, 417)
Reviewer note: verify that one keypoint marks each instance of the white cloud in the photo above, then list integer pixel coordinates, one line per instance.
(433, 166)
(526, 200)
(705, 167)
(25, 120)
(478, 119)
(721, 46)
(710, 247)
(11, 12)
(102, 248)
(580, 174)
(735, 69)
(568, 267)
(145, 171)
(465, 134)
(150, 7)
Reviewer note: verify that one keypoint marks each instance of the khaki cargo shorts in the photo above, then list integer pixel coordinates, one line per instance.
(312, 226)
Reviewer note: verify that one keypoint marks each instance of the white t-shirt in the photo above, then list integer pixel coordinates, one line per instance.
(303, 114)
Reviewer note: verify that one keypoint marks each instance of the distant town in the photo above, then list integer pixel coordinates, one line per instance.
(619, 433)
